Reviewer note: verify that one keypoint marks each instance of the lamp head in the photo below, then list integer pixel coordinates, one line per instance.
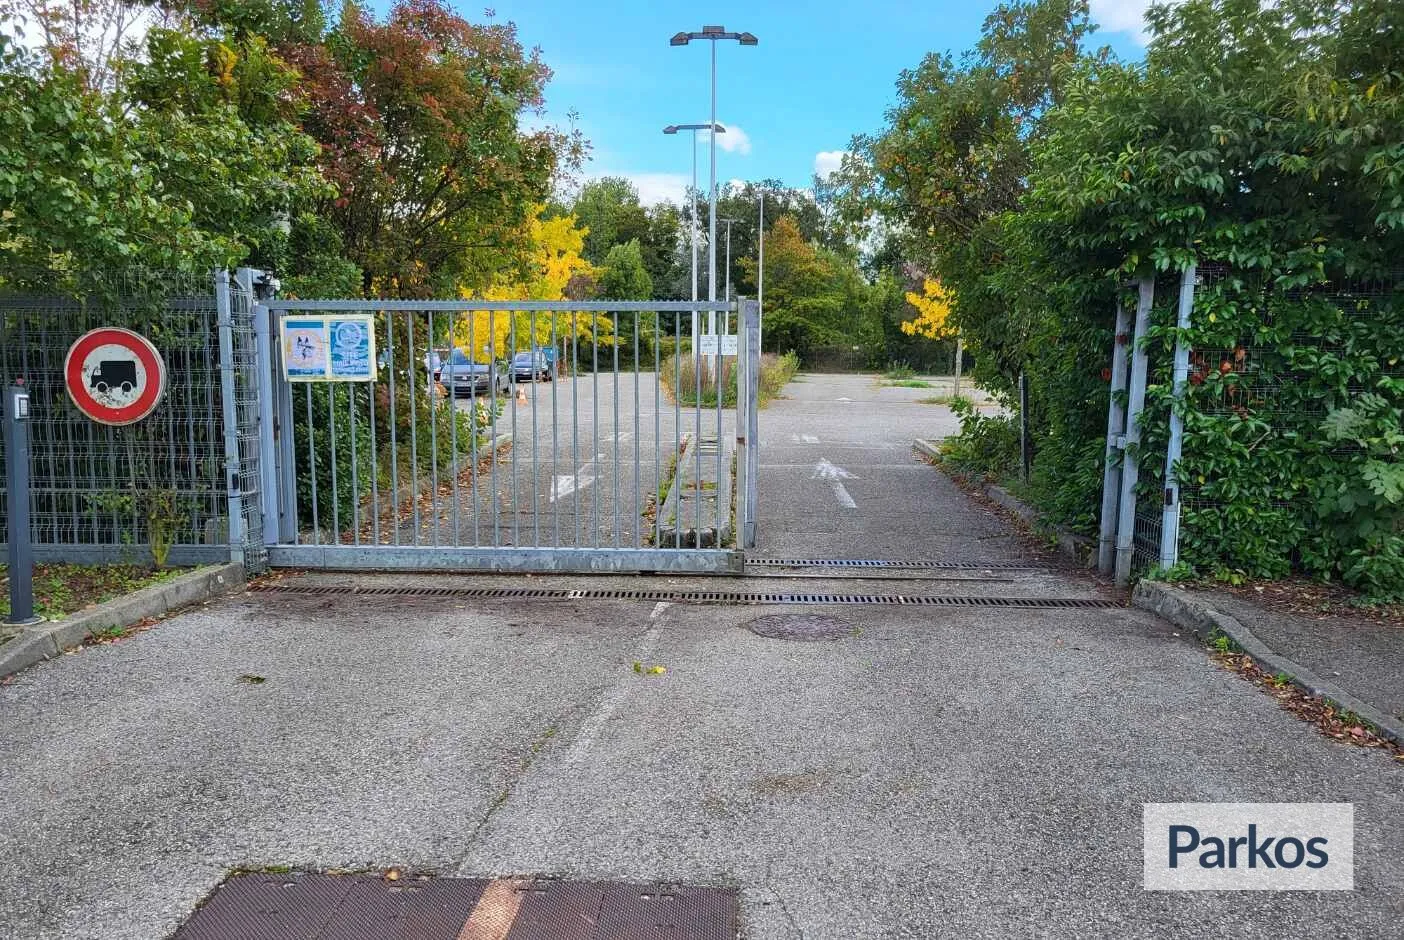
(748, 39)
(678, 39)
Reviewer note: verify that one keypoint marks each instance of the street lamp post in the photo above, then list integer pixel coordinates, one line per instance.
(729, 223)
(712, 34)
(715, 129)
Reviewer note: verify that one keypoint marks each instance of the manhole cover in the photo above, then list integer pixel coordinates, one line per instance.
(800, 627)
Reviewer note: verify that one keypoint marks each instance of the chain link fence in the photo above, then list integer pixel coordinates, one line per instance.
(157, 490)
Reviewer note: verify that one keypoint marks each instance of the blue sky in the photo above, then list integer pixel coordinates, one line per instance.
(823, 70)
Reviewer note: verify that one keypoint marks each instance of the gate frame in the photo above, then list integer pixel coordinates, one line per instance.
(276, 414)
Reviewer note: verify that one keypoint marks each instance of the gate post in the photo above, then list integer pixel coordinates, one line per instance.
(225, 321)
(251, 281)
(1170, 515)
(748, 433)
(1116, 431)
(1126, 521)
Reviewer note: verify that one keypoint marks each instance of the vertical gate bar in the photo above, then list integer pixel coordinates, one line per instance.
(355, 471)
(677, 421)
(267, 463)
(433, 427)
(1126, 523)
(492, 441)
(1116, 427)
(287, 447)
(753, 368)
(512, 374)
(535, 444)
(555, 431)
(575, 417)
(699, 360)
(375, 457)
(595, 422)
(414, 426)
(312, 469)
(657, 430)
(637, 509)
(453, 427)
(615, 402)
(231, 417)
(721, 393)
(1170, 513)
(473, 413)
(331, 435)
(394, 432)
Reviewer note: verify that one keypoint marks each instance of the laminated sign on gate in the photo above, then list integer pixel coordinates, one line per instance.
(329, 349)
(708, 344)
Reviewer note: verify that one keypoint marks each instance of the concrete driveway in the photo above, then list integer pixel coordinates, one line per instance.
(934, 772)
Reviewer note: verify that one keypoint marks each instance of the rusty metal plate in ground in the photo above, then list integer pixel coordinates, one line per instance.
(800, 627)
(302, 906)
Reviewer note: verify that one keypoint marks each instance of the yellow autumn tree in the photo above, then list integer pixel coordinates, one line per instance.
(933, 307)
(554, 262)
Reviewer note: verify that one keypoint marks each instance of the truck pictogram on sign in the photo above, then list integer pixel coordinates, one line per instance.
(114, 376)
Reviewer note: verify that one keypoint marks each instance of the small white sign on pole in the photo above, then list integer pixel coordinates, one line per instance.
(708, 346)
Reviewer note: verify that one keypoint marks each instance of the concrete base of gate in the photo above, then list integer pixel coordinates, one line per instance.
(688, 516)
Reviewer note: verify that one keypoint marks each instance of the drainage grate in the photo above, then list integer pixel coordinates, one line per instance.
(298, 905)
(687, 597)
(884, 563)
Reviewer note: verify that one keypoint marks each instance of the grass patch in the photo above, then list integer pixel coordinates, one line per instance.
(909, 383)
(899, 370)
(62, 589)
(935, 400)
(681, 380)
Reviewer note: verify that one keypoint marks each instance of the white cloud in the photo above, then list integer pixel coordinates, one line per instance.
(1123, 16)
(732, 140)
(827, 162)
(656, 187)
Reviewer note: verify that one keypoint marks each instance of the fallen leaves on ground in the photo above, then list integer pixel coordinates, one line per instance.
(1329, 720)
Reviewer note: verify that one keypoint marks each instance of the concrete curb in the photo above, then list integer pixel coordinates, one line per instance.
(1196, 615)
(1079, 548)
(48, 639)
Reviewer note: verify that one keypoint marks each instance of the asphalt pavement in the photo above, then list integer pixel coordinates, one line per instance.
(933, 772)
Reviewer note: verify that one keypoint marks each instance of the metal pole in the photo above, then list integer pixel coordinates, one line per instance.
(20, 557)
(712, 200)
(1136, 402)
(750, 325)
(959, 359)
(760, 278)
(728, 259)
(694, 236)
(231, 426)
(1170, 512)
(1116, 430)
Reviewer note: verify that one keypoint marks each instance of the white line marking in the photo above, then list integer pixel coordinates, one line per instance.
(563, 486)
(658, 609)
(823, 470)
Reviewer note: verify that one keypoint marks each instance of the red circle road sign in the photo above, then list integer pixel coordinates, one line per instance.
(114, 376)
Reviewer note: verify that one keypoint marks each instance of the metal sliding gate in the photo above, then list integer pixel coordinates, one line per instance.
(508, 436)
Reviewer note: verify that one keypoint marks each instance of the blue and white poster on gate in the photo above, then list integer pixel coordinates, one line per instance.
(329, 349)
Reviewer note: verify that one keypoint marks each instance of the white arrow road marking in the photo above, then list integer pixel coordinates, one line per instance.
(843, 399)
(823, 470)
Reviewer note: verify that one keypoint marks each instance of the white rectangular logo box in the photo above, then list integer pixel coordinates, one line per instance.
(1249, 846)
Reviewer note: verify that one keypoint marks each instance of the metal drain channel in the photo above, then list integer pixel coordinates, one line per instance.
(690, 597)
(883, 563)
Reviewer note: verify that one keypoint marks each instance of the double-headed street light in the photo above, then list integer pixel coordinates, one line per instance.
(715, 129)
(713, 33)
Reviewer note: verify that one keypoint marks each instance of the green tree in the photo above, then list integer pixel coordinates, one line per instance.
(419, 119)
(623, 275)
